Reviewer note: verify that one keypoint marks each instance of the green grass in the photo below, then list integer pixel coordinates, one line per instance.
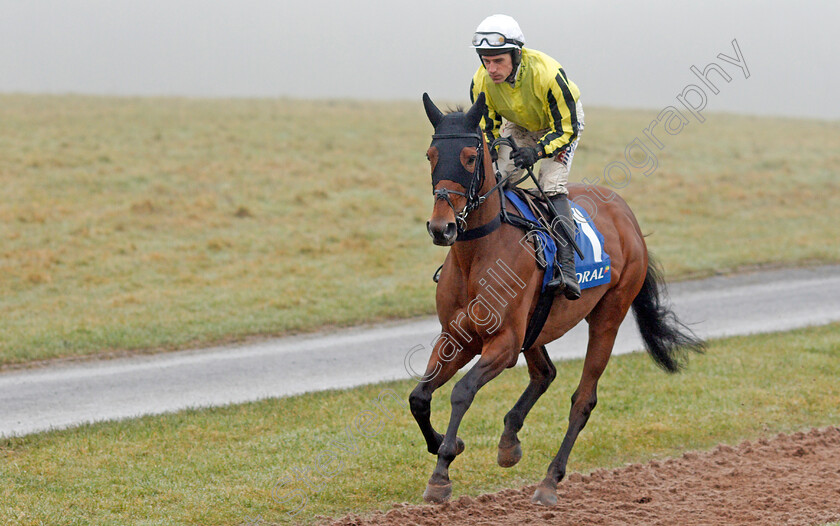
(143, 224)
(219, 466)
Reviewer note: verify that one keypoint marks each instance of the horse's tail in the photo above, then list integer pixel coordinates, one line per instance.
(666, 338)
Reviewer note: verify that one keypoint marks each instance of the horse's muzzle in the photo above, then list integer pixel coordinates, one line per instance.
(443, 234)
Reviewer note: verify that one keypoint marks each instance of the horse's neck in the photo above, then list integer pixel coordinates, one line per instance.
(492, 205)
(480, 249)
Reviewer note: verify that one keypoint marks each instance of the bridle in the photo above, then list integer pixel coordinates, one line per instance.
(476, 181)
(474, 200)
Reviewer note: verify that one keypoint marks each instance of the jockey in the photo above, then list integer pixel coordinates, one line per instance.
(530, 99)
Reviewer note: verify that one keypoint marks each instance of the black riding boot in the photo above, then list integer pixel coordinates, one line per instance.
(567, 281)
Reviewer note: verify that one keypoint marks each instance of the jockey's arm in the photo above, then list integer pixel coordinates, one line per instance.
(559, 105)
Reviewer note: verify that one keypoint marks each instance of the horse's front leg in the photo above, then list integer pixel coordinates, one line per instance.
(445, 361)
(542, 373)
(496, 356)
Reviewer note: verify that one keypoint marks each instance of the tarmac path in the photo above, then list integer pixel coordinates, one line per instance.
(62, 395)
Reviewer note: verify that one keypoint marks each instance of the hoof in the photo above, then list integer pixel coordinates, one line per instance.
(545, 496)
(437, 494)
(508, 457)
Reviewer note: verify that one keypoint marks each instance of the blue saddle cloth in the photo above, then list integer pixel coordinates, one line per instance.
(594, 268)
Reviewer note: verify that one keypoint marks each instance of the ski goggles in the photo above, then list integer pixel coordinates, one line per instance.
(493, 40)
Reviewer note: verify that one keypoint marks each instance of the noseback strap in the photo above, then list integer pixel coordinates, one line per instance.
(457, 136)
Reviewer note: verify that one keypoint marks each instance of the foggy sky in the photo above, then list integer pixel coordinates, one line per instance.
(620, 53)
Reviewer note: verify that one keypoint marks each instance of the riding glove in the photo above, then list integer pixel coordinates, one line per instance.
(525, 157)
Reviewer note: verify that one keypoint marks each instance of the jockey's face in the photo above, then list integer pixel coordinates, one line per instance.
(498, 66)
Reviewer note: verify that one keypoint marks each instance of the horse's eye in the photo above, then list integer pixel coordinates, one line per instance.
(472, 159)
(427, 157)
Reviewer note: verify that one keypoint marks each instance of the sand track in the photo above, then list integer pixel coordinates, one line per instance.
(785, 480)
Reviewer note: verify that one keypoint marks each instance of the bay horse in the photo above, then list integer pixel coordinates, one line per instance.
(489, 317)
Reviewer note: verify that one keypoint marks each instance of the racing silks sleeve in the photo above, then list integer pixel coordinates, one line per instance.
(491, 122)
(560, 106)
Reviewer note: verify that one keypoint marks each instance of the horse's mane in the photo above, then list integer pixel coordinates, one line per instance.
(458, 109)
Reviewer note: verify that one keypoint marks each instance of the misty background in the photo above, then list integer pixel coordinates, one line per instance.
(620, 53)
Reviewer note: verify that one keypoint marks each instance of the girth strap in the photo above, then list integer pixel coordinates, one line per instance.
(538, 318)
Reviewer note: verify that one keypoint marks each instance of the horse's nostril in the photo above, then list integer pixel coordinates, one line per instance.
(451, 230)
(442, 233)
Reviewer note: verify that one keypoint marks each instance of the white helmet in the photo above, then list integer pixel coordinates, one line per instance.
(497, 32)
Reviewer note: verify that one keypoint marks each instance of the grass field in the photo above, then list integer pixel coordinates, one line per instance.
(145, 224)
(259, 460)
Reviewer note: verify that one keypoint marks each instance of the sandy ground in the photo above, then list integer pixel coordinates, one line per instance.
(786, 480)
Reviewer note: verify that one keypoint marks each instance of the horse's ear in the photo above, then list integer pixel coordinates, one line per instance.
(432, 111)
(477, 111)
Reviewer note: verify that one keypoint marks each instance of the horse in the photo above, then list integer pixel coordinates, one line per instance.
(486, 260)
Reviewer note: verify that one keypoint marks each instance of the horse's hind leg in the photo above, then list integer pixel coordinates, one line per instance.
(603, 328)
(542, 373)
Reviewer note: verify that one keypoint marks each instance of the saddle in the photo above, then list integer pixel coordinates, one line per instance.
(535, 220)
(592, 263)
